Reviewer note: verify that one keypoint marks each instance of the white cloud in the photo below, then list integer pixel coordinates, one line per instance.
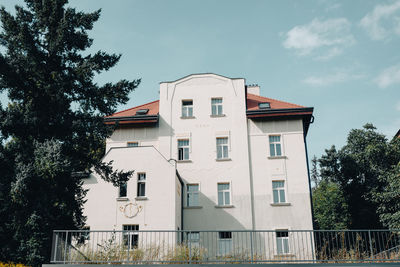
(339, 77)
(383, 21)
(388, 77)
(326, 38)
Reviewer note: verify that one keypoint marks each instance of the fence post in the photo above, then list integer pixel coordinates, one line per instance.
(55, 246)
(189, 240)
(251, 246)
(370, 244)
(66, 242)
(312, 246)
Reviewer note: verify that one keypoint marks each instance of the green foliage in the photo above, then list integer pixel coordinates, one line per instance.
(330, 208)
(53, 124)
(363, 174)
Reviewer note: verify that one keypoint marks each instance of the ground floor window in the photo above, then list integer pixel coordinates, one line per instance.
(131, 236)
(282, 241)
(193, 239)
(224, 243)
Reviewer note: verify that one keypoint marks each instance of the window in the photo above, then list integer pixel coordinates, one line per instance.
(142, 111)
(278, 191)
(192, 195)
(224, 194)
(216, 106)
(187, 108)
(224, 243)
(222, 148)
(264, 105)
(183, 149)
(130, 236)
(282, 242)
(193, 239)
(133, 144)
(141, 185)
(275, 145)
(123, 188)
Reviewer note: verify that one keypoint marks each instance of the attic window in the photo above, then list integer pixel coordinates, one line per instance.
(264, 105)
(142, 111)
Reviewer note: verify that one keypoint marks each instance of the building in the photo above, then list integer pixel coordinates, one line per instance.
(210, 154)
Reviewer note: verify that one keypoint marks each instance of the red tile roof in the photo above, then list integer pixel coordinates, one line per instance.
(252, 105)
(254, 100)
(152, 107)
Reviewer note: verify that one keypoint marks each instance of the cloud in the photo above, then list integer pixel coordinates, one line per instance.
(339, 77)
(383, 21)
(388, 77)
(325, 38)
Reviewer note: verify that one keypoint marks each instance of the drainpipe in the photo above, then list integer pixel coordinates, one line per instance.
(309, 177)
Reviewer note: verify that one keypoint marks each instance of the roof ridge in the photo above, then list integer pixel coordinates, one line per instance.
(133, 108)
(276, 100)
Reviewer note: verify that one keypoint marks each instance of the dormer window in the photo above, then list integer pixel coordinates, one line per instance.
(264, 105)
(142, 111)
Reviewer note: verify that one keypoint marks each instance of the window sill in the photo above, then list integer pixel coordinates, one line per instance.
(277, 157)
(184, 161)
(227, 159)
(224, 206)
(193, 207)
(281, 204)
(188, 118)
(217, 116)
(141, 198)
(122, 199)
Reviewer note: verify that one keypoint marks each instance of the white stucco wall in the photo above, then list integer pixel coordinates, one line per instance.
(202, 131)
(291, 168)
(105, 211)
(145, 136)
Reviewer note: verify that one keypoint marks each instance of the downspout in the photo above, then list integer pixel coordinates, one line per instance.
(308, 174)
(253, 224)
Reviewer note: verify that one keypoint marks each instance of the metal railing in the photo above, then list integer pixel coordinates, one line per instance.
(225, 246)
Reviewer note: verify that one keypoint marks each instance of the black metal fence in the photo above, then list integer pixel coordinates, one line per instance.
(293, 246)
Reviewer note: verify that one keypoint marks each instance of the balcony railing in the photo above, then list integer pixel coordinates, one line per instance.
(150, 247)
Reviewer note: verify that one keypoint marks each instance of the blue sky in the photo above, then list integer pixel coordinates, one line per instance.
(340, 57)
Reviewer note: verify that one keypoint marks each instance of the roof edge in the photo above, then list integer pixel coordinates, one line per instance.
(196, 74)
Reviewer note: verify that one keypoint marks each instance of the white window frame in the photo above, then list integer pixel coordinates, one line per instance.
(282, 242)
(279, 191)
(224, 191)
(187, 110)
(129, 236)
(273, 146)
(184, 148)
(223, 147)
(192, 193)
(227, 243)
(218, 107)
(132, 144)
(193, 239)
(139, 182)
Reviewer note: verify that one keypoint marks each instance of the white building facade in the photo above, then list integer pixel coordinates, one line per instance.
(210, 154)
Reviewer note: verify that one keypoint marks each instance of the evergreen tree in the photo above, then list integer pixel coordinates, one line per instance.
(53, 125)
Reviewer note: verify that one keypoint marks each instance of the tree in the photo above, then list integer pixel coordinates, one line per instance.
(359, 169)
(314, 171)
(53, 125)
(330, 207)
(388, 199)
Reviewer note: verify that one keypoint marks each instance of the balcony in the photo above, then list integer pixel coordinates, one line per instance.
(225, 246)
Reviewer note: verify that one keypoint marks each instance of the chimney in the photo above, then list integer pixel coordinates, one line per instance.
(253, 89)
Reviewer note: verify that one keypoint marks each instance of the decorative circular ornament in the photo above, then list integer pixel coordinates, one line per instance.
(130, 210)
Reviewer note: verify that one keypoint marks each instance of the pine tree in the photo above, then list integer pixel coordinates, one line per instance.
(53, 125)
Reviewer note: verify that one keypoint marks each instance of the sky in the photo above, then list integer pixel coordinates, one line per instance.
(340, 57)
